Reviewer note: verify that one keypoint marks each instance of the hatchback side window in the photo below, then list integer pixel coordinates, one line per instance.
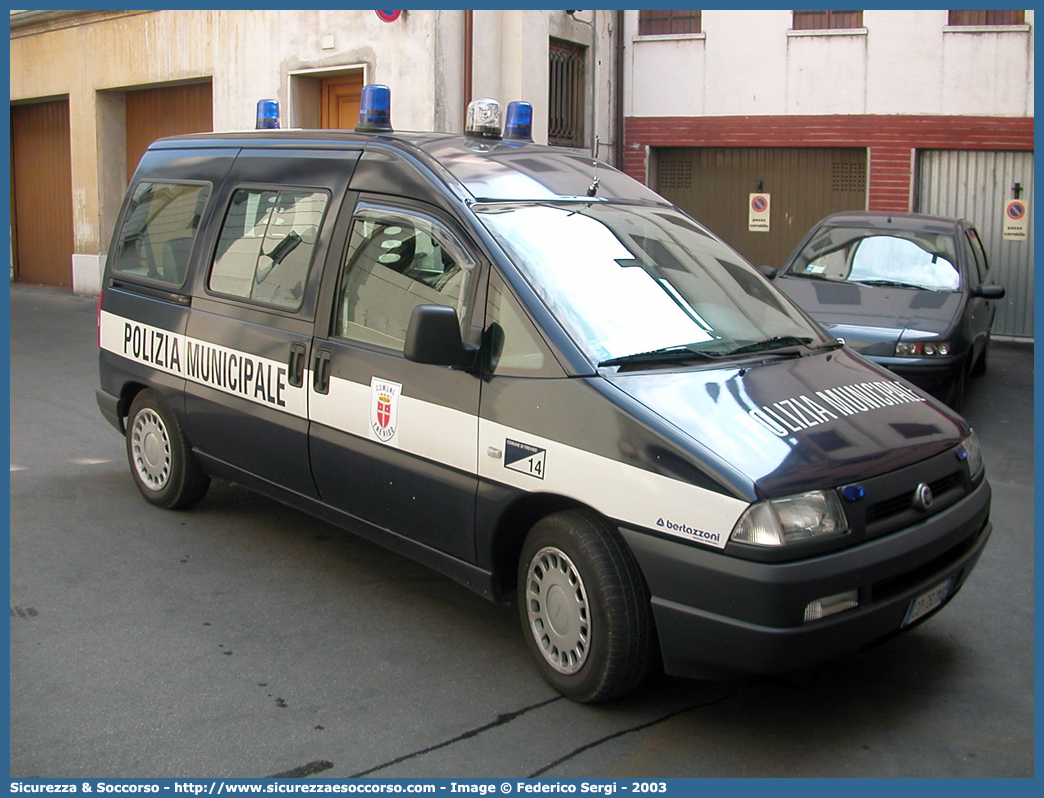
(981, 264)
(266, 245)
(159, 230)
(396, 261)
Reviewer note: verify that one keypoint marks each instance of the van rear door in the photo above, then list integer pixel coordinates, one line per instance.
(249, 336)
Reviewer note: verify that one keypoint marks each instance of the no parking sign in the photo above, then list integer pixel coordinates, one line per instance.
(758, 213)
(1016, 213)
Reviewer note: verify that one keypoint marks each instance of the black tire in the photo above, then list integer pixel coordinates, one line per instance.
(575, 567)
(160, 458)
(983, 361)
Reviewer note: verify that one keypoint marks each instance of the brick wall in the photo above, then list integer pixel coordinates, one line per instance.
(892, 141)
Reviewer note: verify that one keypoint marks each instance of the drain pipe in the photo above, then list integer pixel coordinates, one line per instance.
(618, 122)
(469, 46)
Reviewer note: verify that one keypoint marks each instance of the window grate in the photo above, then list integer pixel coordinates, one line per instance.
(965, 17)
(675, 174)
(827, 20)
(565, 123)
(658, 23)
(848, 176)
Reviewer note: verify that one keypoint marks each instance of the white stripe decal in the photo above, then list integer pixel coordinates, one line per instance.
(614, 488)
(230, 371)
(425, 429)
(443, 435)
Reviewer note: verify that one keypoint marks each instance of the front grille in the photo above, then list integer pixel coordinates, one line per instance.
(885, 509)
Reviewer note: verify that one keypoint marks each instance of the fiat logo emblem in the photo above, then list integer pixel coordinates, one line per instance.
(923, 497)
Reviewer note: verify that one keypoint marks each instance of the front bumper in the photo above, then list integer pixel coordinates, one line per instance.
(936, 375)
(717, 614)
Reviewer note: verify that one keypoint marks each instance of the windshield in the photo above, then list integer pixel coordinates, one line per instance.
(625, 280)
(860, 255)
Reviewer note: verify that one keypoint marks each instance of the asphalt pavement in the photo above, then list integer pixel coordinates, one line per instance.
(242, 638)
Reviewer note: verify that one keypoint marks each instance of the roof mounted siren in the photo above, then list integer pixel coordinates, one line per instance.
(519, 124)
(483, 119)
(375, 109)
(267, 115)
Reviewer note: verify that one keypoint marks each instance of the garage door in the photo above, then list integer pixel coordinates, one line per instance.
(41, 193)
(976, 185)
(166, 111)
(714, 185)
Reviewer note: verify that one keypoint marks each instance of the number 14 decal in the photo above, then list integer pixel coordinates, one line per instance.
(524, 458)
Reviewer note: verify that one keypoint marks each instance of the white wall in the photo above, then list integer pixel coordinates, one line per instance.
(902, 62)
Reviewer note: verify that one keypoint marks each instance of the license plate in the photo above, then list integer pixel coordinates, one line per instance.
(927, 602)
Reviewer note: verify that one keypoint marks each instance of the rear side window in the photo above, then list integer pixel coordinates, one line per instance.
(266, 245)
(159, 230)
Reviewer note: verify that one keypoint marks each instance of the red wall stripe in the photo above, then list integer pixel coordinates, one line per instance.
(891, 140)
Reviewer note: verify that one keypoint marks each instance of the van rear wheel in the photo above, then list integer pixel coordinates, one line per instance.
(584, 607)
(160, 458)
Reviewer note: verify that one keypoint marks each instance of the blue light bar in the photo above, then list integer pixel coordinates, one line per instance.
(374, 109)
(267, 115)
(519, 124)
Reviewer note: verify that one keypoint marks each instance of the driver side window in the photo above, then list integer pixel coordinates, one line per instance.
(396, 261)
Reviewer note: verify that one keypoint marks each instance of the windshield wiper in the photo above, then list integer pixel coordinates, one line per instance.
(895, 283)
(809, 276)
(666, 354)
(770, 344)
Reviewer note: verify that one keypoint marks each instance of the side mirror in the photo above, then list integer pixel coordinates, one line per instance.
(433, 337)
(768, 272)
(989, 291)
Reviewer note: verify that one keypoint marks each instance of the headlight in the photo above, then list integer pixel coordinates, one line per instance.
(923, 348)
(969, 450)
(776, 522)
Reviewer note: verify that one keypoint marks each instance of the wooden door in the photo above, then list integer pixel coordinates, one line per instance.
(41, 192)
(340, 101)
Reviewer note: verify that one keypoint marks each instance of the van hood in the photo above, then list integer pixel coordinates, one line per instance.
(796, 424)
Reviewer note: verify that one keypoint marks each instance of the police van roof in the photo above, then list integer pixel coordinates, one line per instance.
(490, 169)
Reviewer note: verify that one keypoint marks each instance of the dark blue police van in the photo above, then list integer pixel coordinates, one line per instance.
(530, 372)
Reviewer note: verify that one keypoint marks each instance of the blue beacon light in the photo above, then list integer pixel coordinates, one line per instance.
(267, 115)
(853, 493)
(374, 109)
(519, 121)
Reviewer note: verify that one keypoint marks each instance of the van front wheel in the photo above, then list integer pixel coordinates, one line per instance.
(160, 458)
(584, 607)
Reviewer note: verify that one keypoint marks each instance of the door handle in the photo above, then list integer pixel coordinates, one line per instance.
(295, 366)
(321, 374)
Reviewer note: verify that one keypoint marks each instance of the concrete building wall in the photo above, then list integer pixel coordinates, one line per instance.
(900, 62)
(904, 86)
(92, 58)
(904, 82)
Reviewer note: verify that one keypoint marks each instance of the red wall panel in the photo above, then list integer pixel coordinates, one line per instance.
(891, 140)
